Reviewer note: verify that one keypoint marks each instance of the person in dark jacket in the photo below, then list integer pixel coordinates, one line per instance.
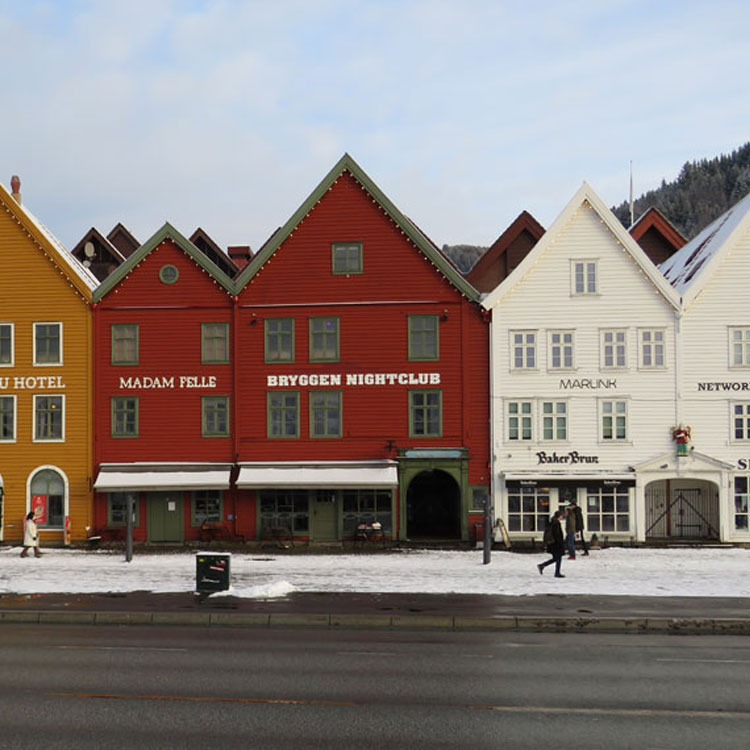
(578, 515)
(570, 532)
(556, 547)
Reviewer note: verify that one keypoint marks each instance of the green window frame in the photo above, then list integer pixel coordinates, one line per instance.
(279, 340)
(426, 413)
(283, 414)
(6, 344)
(325, 414)
(206, 506)
(346, 258)
(366, 506)
(324, 339)
(125, 344)
(124, 416)
(49, 418)
(117, 509)
(48, 344)
(214, 416)
(214, 343)
(284, 509)
(424, 338)
(7, 419)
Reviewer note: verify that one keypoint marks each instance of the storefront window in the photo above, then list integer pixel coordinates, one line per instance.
(206, 507)
(48, 499)
(366, 506)
(284, 509)
(741, 506)
(607, 508)
(117, 508)
(528, 508)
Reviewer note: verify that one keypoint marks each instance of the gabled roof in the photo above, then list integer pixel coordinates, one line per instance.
(167, 232)
(690, 269)
(96, 236)
(655, 219)
(347, 164)
(671, 464)
(585, 194)
(201, 239)
(123, 240)
(81, 278)
(524, 222)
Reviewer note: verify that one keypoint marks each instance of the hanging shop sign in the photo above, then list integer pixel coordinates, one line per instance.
(31, 383)
(353, 379)
(171, 382)
(574, 457)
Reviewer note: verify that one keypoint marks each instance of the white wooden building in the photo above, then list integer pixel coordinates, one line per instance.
(583, 383)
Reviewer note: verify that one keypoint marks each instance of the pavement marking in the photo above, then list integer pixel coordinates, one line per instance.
(710, 661)
(635, 712)
(201, 699)
(117, 648)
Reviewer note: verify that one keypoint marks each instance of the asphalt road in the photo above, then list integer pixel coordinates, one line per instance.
(132, 687)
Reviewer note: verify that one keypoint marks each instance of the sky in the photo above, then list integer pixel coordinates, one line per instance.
(225, 114)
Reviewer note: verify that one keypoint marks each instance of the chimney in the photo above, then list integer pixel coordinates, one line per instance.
(15, 186)
(240, 254)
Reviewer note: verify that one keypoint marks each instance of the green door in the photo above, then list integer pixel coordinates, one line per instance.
(325, 526)
(165, 516)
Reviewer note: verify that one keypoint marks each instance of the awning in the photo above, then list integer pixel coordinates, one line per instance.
(148, 476)
(331, 475)
(569, 477)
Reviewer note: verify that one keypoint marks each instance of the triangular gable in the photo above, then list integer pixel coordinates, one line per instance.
(83, 281)
(166, 232)
(656, 235)
(694, 462)
(690, 269)
(418, 239)
(201, 239)
(94, 235)
(584, 195)
(123, 240)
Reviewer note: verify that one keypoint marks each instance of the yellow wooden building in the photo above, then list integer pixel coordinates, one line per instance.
(45, 380)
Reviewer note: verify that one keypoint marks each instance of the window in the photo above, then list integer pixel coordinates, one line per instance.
(206, 507)
(347, 258)
(614, 349)
(214, 343)
(584, 277)
(519, 419)
(215, 416)
(6, 344)
(554, 420)
(607, 508)
(48, 499)
(124, 416)
(47, 343)
(652, 347)
(325, 414)
(124, 344)
(528, 508)
(283, 414)
(740, 347)
(169, 274)
(366, 506)
(741, 505)
(284, 510)
(523, 350)
(279, 339)
(614, 416)
(49, 418)
(423, 337)
(425, 413)
(561, 350)
(741, 421)
(480, 496)
(324, 339)
(7, 418)
(117, 508)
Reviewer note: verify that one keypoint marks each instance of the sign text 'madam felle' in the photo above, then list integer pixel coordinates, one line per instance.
(353, 378)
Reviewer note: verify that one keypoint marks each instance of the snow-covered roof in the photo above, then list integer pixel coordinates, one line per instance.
(688, 266)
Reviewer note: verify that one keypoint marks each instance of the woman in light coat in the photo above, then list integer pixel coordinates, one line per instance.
(30, 536)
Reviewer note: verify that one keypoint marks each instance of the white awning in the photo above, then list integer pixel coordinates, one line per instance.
(316, 474)
(122, 478)
(569, 477)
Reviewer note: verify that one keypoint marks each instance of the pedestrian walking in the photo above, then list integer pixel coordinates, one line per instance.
(30, 536)
(570, 532)
(553, 536)
(580, 526)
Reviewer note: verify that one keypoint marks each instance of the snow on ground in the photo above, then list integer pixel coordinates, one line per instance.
(616, 571)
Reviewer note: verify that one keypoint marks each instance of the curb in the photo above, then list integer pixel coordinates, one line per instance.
(536, 624)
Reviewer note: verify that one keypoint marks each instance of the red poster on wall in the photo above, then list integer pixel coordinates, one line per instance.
(39, 507)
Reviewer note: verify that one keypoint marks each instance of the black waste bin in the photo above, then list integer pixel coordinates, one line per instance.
(212, 571)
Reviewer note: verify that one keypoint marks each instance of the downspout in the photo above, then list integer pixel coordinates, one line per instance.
(94, 411)
(491, 499)
(235, 408)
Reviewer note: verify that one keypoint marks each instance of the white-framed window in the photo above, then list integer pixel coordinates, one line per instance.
(739, 347)
(608, 508)
(614, 348)
(7, 419)
(528, 508)
(519, 416)
(583, 276)
(651, 348)
(742, 503)
(7, 348)
(47, 490)
(554, 420)
(523, 350)
(48, 344)
(49, 418)
(740, 421)
(561, 350)
(613, 420)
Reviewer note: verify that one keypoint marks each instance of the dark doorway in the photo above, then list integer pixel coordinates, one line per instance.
(433, 506)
